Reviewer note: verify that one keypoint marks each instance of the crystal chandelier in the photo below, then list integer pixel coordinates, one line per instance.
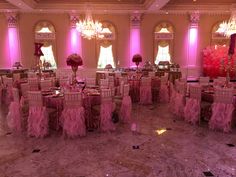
(88, 28)
(228, 27)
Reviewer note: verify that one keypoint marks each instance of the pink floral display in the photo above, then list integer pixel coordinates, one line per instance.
(74, 60)
(215, 59)
(108, 66)
(137, 58)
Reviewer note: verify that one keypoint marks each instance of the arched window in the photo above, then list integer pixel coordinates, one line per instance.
(45, 33)
(218, 38)
(106, 46)
(163, 42)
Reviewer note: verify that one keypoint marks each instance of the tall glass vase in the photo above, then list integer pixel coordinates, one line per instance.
(137, 63)
(74, 69)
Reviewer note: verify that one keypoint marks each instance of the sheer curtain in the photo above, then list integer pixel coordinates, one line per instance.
(48, 56)
(105, 56)
(163, 54)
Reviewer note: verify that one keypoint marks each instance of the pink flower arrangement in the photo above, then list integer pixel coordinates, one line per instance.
(74, 60)
(215, 59)
(137, 58)
(108, 66)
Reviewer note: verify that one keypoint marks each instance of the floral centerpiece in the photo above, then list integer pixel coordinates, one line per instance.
(46, 64)
(137, 58)
(216, 63)
(108, 67)
(74, 60)
(17, 65)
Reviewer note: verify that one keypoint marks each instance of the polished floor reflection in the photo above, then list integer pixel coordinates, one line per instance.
(162, 147)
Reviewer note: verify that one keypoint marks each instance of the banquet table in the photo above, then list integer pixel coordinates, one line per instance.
(89, 99)
(135, 88)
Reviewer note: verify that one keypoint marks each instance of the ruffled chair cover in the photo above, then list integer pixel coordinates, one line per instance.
(179, 105)
(192, 110)
(172, 98)
(221, 116)
(73, 122)
(145, 91)
(106, 115)
(14, 116)
(164, 93)
(125, 110)
(9, 96)
(1, 89)
(37, 121)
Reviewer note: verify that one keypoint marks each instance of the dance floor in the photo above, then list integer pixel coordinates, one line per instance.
(162, 147)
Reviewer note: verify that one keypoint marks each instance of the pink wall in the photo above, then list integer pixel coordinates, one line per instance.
(122, 24)
(180, 23)
(5, 61)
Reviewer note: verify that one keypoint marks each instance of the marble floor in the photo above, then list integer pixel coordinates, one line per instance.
(177, 149)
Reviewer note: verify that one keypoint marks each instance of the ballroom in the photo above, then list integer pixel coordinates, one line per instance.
(117, 88)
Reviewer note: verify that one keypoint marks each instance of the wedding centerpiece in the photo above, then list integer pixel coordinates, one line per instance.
(17, 65)
(74, 60)
(137, 58)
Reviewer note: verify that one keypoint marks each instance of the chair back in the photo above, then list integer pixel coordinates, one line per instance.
(35, 98)
(204, 80)
(164, 79)
(195, 91)
(180, 87)
(223, 95)
(111, 81)
(126, 88)
(104, 83)
(24, 89)
(124, 79)
(146, 81)
(8, 82)
(106, 95)
(33, 84)
(117, 74)
(16, 76)
(45, 84)
(90, 81)
(16, 95)
(63, 81)
(73, 100)
(151, 74)
(32, 74)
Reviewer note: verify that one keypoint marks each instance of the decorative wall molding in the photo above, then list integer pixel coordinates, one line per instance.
(194, 18)
(135, 19)
(12, 19)
(45, 36)
(164, 36)
(74, 18)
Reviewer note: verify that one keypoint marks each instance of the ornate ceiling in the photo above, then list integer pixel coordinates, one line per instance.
(118, 6)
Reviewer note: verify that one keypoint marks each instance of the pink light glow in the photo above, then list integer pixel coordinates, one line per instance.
(75, 39)
(14, 46)
(74, 43)
(193, 43)
(134, 43)
(192, 35)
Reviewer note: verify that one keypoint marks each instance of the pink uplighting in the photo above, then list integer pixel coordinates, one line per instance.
(134, 43)
(193, 43)
(74, 43)
(14, 46)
